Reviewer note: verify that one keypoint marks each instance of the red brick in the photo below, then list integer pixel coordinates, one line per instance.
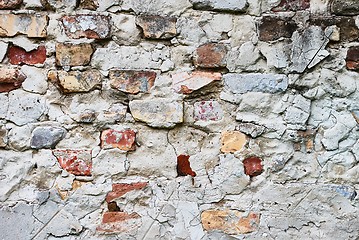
(10, 4)
(120, 189)
(253, 166)
(184, 166)
(353, 58)
(124, 140)
(77, 162)
(157, 27)
(10, 79)
(273, 28)
(211, 55)
(186, 83)
(119, 222)
(111, 217)
(86, 26)
(130, 81)
(18, 55)
(292, 5)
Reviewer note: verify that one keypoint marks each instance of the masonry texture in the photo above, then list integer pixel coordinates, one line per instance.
(179, 119)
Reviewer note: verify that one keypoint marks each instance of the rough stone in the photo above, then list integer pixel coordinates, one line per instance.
(25, 108)
(349, 7)
(130, 81)
(12, 4)
(46, 137)
(123, 140)
(157, 27)
(76, 81)
(87, 26)
(186, 83)
(157, 112)
(36, 80)
(89, 4)
(207, 111)
(34, 26)
(211, 55)
(218, 5)
(18, 55)
(292, 5)
(230, 221)
(255, 82)
(3, 50)
(274, 28)
(10, 79)
(77, 162)
(233, 141)
(3, 137)
(73, 54)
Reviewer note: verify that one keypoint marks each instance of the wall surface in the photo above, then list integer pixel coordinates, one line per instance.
(179, 119)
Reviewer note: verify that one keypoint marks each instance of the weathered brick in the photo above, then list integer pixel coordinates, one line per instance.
(34, 26)
(184, 166)
(187, 83)
(232, 141)
(347, 27)
(124, 140)
(252, 166)
(292, 5)
(10, 79)
(273, 28)
(46, 137)
(220, 5)
(119, 222)
(77, 162)
(131, 81)
(86, 26)
(352, 58)
(120, 189)
(157, 27)
(211, 55)
(230, 221)
(207, 111)
(73, 54)
(10, 4)
(157, 112)
(345, 7)
(18, 55)
(76, 81)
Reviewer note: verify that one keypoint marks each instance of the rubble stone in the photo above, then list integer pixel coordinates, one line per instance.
(33, 26)
(157, 27)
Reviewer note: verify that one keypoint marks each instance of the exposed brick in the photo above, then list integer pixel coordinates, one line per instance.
(124, 140)
(230, 221)
(10, 79)
(73, 54)
(233, 141)
(211, 55)
(345, 7)
(130, 81)
(292, 5)
(18, 55)
(353, 58)
(184, 166)
(186, 83)
(119, 222)
(347, 27)
(110, 217)
(34, 26)
(77, 162)
(252, 166)
(273, 28)
(10, 4)
(157, 27)
(76, 81)
(120, 189)
(207, 111)
(87, 26)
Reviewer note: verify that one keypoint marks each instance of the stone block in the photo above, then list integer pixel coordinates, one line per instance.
(46, 137)
(33, 26)
(186, 83)
(207, 111)
(87, 26)
(233, 141)
(221, 5)
(211, 55)
(73, 54)
(77, 162)
(131, 81)
(157, 27)
(18, 55)
(273, 28)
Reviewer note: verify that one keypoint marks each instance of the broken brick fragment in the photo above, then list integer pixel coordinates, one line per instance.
(18, 55)
(211, 55)
(10, 79)
(157, 27)
(119, 222)
(273, 28)
(184, 166)
(353, 58)
(130, 81)
(252, 166)
(124, 140)
(120, 189)
(77, 162)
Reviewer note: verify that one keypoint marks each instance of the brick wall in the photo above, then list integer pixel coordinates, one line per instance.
(179, 119)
